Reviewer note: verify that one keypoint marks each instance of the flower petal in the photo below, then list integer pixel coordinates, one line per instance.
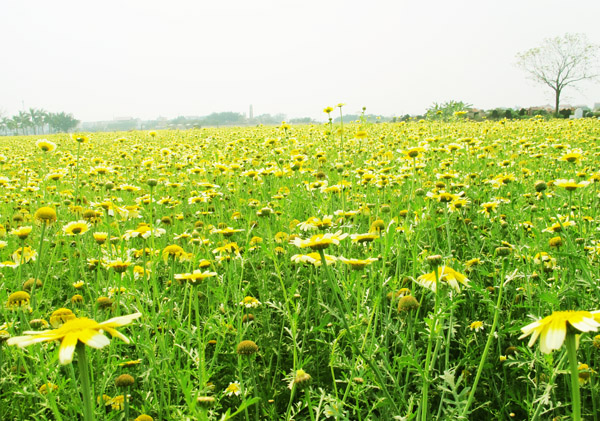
(553, 336)
(585, 325)
(94, 339)
(529, 328)
(119, 321)
(536, 334)
(67, 347)
(116, 333)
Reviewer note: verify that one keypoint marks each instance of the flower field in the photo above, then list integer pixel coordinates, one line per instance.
(420, 270)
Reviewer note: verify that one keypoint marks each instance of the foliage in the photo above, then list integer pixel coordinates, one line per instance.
(35, 121)
(446, 111)
(62, 122)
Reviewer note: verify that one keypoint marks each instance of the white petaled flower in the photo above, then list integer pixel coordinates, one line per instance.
(234, 388)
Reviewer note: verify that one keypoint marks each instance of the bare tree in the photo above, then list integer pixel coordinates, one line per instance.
(561, 62)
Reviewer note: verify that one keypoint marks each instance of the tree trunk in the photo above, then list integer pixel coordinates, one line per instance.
(557, 102)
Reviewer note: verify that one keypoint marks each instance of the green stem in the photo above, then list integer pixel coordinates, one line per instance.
(309, 404)
(38, 264)
(88, 410)
(256, 394)
(126, 405)
(488, 344)
(77, 197)
(21, 259)
(289, 407)
(432, 332)
(342, 134)
(573, 366)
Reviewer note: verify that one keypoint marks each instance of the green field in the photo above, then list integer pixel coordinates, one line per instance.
(441, 242)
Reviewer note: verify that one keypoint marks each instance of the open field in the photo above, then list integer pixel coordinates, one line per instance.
(218, 238)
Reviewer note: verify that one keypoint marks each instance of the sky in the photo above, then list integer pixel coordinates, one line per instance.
(145, 59)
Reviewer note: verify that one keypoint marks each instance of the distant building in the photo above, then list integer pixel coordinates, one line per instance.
(475, 114)
(118, 124)
(545, 109)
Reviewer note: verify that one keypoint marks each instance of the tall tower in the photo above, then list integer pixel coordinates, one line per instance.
(251, 113)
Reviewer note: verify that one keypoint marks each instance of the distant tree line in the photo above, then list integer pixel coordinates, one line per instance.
(229, 118)
(37, 121)
(455, 110)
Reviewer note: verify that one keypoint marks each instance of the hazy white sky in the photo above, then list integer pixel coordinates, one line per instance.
(146, 58)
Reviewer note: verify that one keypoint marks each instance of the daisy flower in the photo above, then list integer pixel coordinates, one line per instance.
(77, 330)
(552, 329)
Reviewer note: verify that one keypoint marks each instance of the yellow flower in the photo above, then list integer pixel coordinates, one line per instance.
(47, 388)
(314, 223)
(118, 265)
(552, 329)
(360, 134)
(444, 274)
(233, 389)
(143, 230)
(225, 232)
(413, 153)
(79, 138)
(105, 399)
(26, 253)
(444, 197)
(129, 363)
(558, 226)
(556, 242)
(250, 302)
(227, 248)
(194, 277)
(358, 264)
(117, 403)
(314, 259)
(45, 214)
(45, 145)
(320, 241)
(4, 335)
(73, 331)
(100, 237)
(299, 377)
(21, 232)
(571, 184)
(18, 299)
(76, 228)
(585, 372)
(488, 208)
(172, 250)
(573, 156)
(60, 317)
(377, 226)
(473, 262)
(476, 326)
(9, 264)
(364, 238)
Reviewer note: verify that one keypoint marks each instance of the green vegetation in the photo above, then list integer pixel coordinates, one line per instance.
(356, 272)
